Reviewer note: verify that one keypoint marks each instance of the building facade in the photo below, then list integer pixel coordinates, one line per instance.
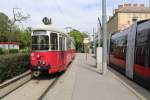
(125, 15)
(9, 45)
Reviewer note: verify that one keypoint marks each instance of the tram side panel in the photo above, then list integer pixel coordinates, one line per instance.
(141, 61)
(117, 56)
(142, 58)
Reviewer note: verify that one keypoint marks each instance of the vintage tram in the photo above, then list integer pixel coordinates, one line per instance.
(52, 50)
(130, 52)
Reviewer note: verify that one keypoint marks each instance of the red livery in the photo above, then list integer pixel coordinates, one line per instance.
(52, 50)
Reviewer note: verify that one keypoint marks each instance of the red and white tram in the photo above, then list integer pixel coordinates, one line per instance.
(130, 52)
(52, 50)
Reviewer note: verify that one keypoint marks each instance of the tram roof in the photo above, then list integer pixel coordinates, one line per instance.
(48, 28)
(51, 28)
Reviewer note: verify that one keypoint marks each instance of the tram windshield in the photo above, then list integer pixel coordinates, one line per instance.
(40, 42)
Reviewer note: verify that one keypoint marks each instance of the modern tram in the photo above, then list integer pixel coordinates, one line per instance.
(130, 52)
(52, 50)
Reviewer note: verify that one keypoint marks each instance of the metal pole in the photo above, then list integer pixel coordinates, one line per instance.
(104, 25)
(94, 40)
(99, 36)
(149, 3)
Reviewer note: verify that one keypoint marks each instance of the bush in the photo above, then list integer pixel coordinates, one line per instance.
(13, 65)
(5, 51)
(1, 51)
(13, 51)
(26, 50)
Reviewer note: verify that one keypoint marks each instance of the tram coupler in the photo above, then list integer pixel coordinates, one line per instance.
(36, 73)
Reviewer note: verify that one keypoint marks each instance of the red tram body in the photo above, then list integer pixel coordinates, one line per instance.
(52, 50)
(130, 52)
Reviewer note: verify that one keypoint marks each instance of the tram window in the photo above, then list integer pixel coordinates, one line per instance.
(149, 49)
(142, 36)
(35, 45)
(68, 44)
(149, 56)
(54, 41)
(63, 43)
(40, 42)
(35, 39)
(44, 42)
(140, 55)
(60, 44)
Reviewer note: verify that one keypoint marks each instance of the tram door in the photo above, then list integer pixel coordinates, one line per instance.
(61, 50)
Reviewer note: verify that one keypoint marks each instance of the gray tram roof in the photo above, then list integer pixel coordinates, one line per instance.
(48, 28)
(142, 25)
(51, 28)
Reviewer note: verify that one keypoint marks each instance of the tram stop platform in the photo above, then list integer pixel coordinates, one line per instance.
(82, 81)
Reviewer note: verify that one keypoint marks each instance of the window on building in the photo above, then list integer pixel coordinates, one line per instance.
(134, 20)
(140, 15)
(129, 15)
(129, 22)
(146, 16)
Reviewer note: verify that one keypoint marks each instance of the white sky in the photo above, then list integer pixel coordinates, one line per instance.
(79, 14)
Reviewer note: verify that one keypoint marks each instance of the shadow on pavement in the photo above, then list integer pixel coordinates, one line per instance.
(46, 76)
(93, 56)
(137, 88)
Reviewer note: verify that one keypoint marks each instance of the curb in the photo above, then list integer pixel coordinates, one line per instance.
(122, 82)
(127, 86)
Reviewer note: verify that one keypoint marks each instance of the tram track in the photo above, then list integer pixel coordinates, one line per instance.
(35, 89)
(49, 87)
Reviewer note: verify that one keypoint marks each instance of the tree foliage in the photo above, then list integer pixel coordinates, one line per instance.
(10, 32)
(19, 17)
(3, 23)
(78, 38)
(24, 38)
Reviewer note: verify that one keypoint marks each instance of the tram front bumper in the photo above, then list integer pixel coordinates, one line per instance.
(40, 68)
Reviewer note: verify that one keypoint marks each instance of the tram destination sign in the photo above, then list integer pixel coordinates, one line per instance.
(38, 32)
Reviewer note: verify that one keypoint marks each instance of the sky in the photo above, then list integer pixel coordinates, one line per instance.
(78, 14)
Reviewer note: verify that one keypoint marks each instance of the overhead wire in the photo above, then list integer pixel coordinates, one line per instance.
(59, 8)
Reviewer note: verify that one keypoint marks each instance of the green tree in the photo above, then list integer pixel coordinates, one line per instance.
(78, 38)
(3, 23)
(23, 37)
(10, 32)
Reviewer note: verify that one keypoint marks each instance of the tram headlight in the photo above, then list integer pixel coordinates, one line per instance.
(43, 63)
(32, 54)
(38, 56)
